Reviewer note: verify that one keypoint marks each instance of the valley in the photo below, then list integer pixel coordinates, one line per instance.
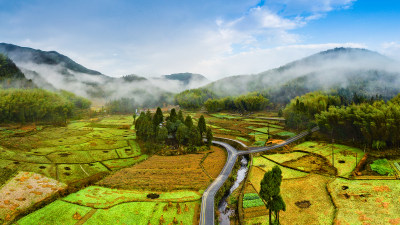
(173, 158)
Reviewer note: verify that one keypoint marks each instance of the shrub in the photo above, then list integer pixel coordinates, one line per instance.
(382, 167)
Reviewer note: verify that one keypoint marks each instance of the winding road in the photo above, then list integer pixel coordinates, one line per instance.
(207, 201)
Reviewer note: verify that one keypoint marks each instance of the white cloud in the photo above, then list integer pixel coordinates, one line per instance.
(260, 60)
(391, 49)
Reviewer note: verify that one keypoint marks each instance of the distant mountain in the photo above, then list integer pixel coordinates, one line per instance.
(349, 69)
(11, 76)
(30, 55)
(186, 78)
(179, 81)
(52, 70)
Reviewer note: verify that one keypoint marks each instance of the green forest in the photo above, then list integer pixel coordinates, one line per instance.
(197, 98)
(173, 131)
(369, 121)
(37, 105)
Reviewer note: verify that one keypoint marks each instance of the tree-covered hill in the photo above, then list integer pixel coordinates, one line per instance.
(30, 55)
(11, 75)
(358, 70)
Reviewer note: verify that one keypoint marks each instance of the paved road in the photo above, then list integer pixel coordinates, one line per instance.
(207, 201)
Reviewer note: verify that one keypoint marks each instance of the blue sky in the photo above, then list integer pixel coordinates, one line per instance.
(213, 37)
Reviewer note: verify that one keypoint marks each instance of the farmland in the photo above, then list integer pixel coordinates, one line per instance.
(146, 189)
(68, 154)
(161, 173)
(319, 195)
(94, 205)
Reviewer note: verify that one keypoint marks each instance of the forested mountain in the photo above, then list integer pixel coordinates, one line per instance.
(346, 69)
(11, 76)
(54, 71)
(30, 55)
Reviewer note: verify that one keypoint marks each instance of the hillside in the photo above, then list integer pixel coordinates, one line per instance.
(186, 78)
(11, 75)
(351, 69)
(30, 55)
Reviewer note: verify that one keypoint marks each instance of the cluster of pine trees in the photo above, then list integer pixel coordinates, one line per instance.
(37, 105)
(369, 121)
(244, 103)
(174, 129)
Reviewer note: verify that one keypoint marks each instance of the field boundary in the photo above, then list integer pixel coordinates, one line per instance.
(86, 217)
(202, 167)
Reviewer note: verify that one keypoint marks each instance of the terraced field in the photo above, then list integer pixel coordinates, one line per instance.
(68, 154)
(99, 205)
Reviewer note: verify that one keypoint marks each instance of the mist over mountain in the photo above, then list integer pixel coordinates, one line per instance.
(349, 69)
(53, 71)
(11, 76)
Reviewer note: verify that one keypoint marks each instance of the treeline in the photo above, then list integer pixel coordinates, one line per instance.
(174, 130)
(37, 105)
(194, 98)
(197, 98)
(123, 105)
(377, 125)
(300, 112)
(244, 103)
(369, 121)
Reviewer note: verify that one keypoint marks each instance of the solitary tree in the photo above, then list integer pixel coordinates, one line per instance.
(202, 125)
(134, 118)
(277, 205)
(270, 190)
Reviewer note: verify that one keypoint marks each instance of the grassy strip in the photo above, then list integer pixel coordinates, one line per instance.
(101, 197)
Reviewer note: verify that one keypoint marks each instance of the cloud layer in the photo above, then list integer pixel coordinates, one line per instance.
(215, 38)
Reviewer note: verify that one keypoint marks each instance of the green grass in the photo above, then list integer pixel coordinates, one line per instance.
(259, 143)
(267, 165)
(265, 129)
(225, 116)
(342, 153)
(140, 213)
(120, 212)
(252, 200)
(286, 133)
(259, 136)
(101, 197)
(280, 158)
(58, 212)
(71, 172)
(242, 139)
(80, 143)
(116, 164)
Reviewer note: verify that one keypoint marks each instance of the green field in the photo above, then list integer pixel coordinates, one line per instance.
(266, 165)
(252, 200)
(68, 154)
(112, 206)
(344, 156)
